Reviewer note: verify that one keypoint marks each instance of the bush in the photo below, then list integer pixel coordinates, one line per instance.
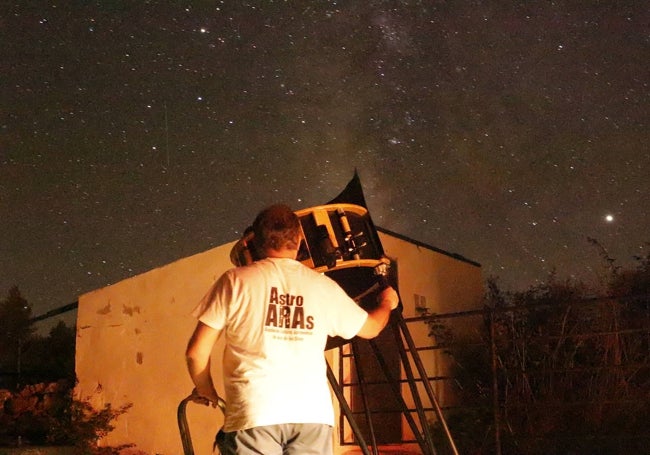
(572, 371)
(48, 414)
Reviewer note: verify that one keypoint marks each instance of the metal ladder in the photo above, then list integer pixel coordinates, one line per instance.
(423, 434)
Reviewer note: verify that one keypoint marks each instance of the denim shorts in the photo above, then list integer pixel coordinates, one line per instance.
(281, 439)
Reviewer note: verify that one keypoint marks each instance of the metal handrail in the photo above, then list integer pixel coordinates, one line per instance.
(183, 427)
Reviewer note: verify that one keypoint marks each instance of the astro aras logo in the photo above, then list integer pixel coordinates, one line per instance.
(286, 311)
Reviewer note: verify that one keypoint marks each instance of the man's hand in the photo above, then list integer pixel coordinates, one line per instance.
(208, 399)
(378, 317)
(388, 296)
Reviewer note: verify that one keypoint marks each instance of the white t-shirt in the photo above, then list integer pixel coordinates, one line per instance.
(277, 314)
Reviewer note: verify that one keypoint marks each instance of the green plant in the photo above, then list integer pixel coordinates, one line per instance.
(49, 414)
(77, 423)
(557, 371)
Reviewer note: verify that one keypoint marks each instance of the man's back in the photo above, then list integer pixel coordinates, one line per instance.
(278, 314)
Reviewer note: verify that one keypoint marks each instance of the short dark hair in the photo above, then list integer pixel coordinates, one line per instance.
(276, 227)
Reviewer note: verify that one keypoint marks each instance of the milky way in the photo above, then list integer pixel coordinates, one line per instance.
(137, 133)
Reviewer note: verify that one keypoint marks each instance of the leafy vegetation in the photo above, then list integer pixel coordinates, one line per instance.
(15, 330)
(556, 370)
(77, 423)
(38, 406)
(27, 357)
(57, 418)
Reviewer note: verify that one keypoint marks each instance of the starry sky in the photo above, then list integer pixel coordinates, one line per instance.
(133, 134)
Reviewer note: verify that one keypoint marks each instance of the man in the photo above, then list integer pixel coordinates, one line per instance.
(276, 315)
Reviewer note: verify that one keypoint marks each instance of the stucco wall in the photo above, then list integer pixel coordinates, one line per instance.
(131, 338)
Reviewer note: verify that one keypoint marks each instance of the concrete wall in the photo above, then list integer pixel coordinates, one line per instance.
(131, 338)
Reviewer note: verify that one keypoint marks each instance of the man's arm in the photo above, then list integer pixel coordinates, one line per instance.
(197, 356)
(379, 316)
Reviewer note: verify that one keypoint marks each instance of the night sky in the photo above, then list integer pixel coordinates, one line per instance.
(133, 134)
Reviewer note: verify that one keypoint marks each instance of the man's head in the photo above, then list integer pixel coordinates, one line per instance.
(276, 228)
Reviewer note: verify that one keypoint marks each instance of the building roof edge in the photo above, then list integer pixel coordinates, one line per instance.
(427, 246)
